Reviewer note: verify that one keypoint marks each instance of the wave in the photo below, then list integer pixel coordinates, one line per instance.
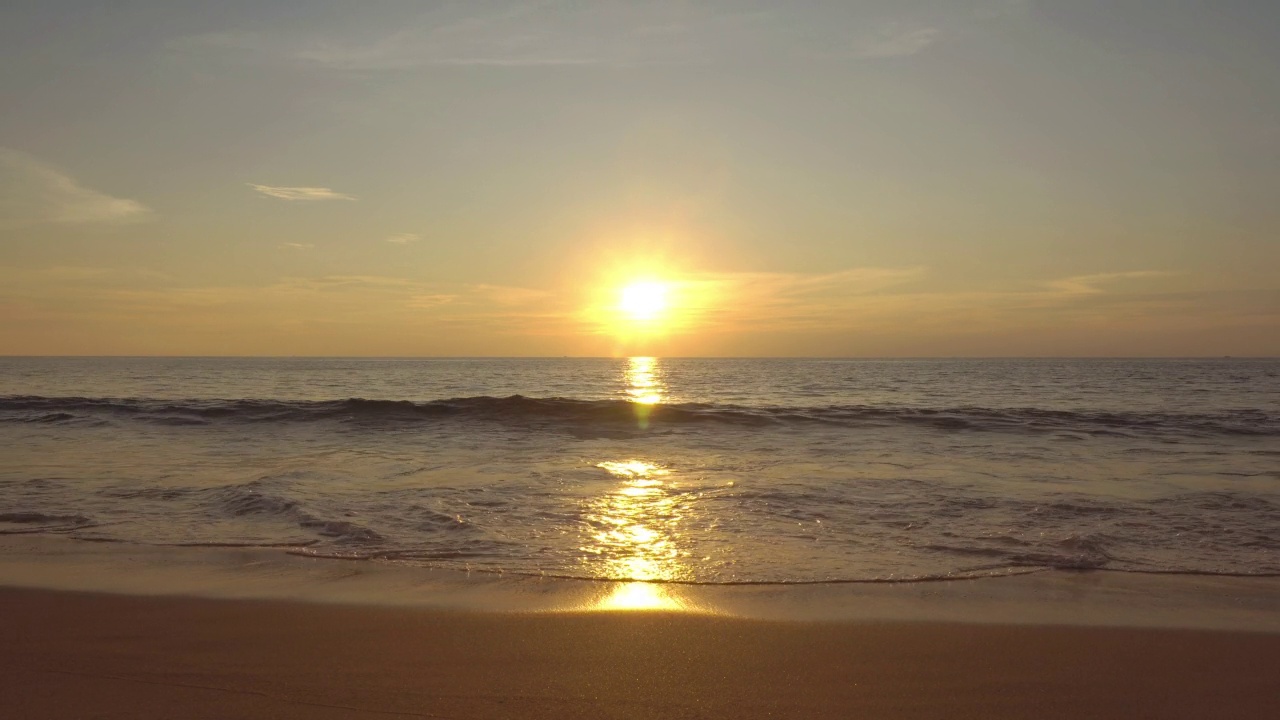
(24, 523)
(573, 414)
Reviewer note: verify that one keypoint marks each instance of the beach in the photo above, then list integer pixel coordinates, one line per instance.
(709, 360)
(97, 630)
(638, 538)
(74, 655)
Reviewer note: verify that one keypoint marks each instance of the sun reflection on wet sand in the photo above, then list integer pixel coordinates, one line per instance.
(640, 596)
(636, 537)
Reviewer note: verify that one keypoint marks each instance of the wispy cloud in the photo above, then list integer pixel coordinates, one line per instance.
(507, 295)
(32, 191)
(854, 311)
(896, 40)
(510, 34)
(897, 302)
(404, 238)
(298, 246)
(755, 302)
(301, 193)
(1092, 284)
(796, 301)
(431, 301)
(992, 9)
(533, 33)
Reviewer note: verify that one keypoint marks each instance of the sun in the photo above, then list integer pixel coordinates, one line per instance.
(644, 301)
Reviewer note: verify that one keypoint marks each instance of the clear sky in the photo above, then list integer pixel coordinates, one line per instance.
(853, 178)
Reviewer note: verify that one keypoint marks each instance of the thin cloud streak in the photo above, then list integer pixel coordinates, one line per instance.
(894, 40)
(891, 300)
(853, 311)
(306, 194)
(1089, 284)
(32, 191)
(550, 33)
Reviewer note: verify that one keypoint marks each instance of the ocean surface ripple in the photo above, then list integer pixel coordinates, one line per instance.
(682, 471)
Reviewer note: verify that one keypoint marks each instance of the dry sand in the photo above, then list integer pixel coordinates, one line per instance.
(81, 655)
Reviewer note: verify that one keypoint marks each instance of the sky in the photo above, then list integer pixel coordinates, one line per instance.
(854, 178)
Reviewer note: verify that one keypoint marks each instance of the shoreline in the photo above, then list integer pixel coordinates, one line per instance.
(127, 631)
(72, 655)
(1055, 597)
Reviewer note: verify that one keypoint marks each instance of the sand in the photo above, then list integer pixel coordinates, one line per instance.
(84, 655)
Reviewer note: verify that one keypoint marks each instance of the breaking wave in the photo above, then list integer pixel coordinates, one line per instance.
(551, 413)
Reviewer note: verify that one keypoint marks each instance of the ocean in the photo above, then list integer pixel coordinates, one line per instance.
(702, 471)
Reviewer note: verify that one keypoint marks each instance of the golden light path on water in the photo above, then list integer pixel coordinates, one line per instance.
(637, 521)
(642, 379)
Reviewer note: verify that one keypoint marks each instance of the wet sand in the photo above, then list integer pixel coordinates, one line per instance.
(84, 655)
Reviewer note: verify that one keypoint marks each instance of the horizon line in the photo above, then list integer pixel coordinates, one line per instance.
(663, 357)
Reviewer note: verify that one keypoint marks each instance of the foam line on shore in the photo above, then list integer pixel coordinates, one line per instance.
(1069, 598)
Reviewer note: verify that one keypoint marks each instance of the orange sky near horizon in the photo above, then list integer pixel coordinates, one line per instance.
(873, 178)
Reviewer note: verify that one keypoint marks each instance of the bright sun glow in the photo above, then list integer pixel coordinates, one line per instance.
(644, 301)
(639, 596)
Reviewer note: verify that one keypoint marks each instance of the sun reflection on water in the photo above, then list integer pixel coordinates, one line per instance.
(643, 378)
(636, 537)
(644, 386)
(634, 524)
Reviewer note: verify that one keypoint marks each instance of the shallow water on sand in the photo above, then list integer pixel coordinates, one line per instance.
(704, 471)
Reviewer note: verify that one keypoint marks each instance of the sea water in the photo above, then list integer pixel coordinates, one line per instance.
(718, 471)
